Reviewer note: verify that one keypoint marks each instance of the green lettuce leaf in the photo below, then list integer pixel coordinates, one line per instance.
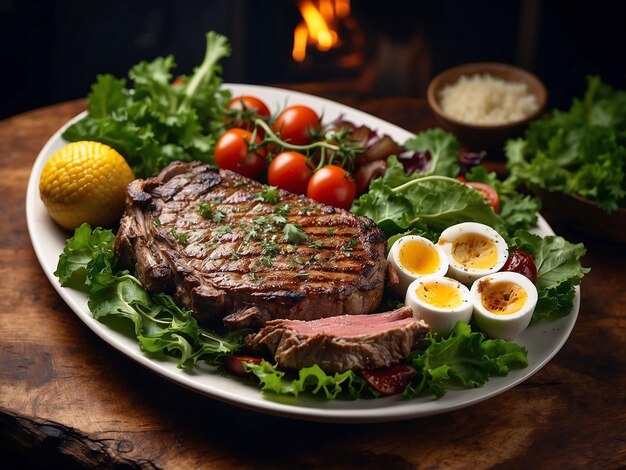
(311, 380)
(89, 264)
(426, 203)
(444, 151)
(581, 151)
(157, 122)
(464, 359)
(558, 271)
(78, 252)
(557, 260)
(518, 211)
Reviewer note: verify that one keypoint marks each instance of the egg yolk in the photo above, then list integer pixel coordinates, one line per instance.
(419, 258)
(475, 251)
(503, 298)
(439, 295)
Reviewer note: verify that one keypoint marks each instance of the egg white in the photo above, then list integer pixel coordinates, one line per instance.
(405, 275)
(467, 275)
(503, 326)
(440, 319)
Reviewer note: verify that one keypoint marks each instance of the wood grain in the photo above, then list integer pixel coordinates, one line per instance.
(68, 399)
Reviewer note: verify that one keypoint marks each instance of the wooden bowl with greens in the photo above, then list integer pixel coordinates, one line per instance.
(576, 161)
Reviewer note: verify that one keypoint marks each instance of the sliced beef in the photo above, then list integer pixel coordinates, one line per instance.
(234, 250)
(341, 343)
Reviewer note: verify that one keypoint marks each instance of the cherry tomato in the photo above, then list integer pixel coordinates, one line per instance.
(297, 125)
(232, 152)
(490, 194)
(332, 185)
(390, 380)
(234, 364)
(245, 109)
(521, 262)
(290, 171)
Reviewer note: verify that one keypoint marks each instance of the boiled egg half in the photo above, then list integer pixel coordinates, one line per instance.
(473, 250)
(413, 256)
(440, 302)
(504, 303)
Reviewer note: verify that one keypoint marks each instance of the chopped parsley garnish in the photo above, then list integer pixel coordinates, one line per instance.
(293, 233)
(349, 246)
(277, 219)
(303, 275)
(283, 210)
(156, 221)
(252, 233)
(316, 244)
(314, 258)
(330, 231)
(270, 247)
(224, 229)
(219, 216)
(269, 194)
(205, 210)
(180, 237)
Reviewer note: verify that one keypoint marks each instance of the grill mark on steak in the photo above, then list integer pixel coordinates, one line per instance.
(231, 263)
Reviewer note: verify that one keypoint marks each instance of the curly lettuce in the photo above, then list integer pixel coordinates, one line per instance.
(581, 151)
(158, 120)
(89, 264)
(464, 359)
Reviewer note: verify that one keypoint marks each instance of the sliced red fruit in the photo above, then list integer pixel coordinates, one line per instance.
(234, 364)
(389, 380)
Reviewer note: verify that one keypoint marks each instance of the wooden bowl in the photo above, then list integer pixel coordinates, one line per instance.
(583, 216)
(478, 137)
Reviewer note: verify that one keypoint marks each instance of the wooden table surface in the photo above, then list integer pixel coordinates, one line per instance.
(68, 399)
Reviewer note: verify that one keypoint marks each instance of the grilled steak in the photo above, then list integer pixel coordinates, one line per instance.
(342, 343)
(232, 249)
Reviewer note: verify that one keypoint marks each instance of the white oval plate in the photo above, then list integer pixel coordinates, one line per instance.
(542, 340)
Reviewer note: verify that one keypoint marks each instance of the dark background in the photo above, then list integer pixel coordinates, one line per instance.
(52, 50)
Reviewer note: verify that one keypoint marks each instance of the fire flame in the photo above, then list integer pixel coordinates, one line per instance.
(319, 25)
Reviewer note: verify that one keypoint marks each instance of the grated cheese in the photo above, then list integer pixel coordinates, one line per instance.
(484, 99)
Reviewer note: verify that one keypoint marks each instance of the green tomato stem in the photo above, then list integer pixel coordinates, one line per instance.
(346, 153)
(270, 136)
